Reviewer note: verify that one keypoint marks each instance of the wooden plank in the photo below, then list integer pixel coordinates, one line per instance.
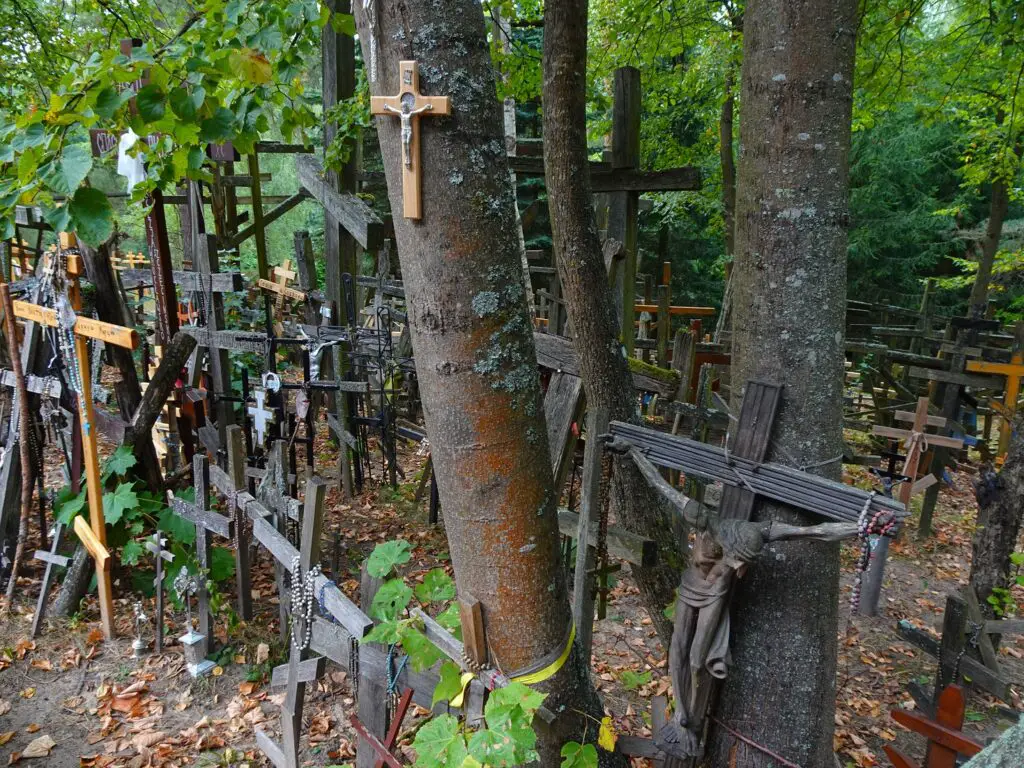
(903, 434)
(84, 326)
(557, 353)
(309, 671)
(1005, 627)
(622, 545)
(940, 734)
(350, 211)
(974, 614)
(972, 671)
(951, 377)
(211, 521)
(676, 311)
(187, 280)
(563, 406)
(605, 178)
(753, 436)
(37, 385)
(590, 511)
(348, 614)
(267, 535)
(270, 748)
(232, 341)
(281, 290)
(923, 484)
(933, 421)
(474, 640)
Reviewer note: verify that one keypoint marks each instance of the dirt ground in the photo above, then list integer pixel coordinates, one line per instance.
(100, 706)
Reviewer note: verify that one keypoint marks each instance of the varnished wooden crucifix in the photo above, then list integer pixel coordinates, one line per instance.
(408, 105)
(93, 535)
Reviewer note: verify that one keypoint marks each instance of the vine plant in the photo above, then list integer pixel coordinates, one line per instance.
(507, 737)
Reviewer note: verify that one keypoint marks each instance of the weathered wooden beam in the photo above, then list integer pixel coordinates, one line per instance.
(351, 212)
(605, 178)
(187, 280)
(622, 545)
(952, 377)
(557, 353)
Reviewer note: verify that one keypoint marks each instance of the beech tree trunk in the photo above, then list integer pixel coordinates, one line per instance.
(999, 206)
(475, 357)
(788, 321)
(588, 297)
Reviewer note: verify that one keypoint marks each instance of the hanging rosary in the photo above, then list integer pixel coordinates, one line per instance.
(881, 523)
(303, 603)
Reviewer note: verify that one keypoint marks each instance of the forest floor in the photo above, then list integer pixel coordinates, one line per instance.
(74, 700)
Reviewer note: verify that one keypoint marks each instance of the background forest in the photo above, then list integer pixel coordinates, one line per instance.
(928, 140)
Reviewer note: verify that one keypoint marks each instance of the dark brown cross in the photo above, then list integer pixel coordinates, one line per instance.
(385, 749)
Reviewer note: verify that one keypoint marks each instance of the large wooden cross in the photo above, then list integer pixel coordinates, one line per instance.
(408, 105)
(1013, 371)
(85, 328)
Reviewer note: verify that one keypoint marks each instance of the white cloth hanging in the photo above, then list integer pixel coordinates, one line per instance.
(130, 166)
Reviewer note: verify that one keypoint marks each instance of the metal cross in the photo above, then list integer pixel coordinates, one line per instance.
(261, 415)
(155, 546)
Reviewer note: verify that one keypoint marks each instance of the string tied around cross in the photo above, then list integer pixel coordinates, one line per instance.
(916, 439)
(393, 674)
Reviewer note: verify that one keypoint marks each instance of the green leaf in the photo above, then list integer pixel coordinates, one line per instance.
(344, 24)
(391, 599)
(422, 653)
(59, 218)
(386, 556)
(151, 102)
(115, 504)
(131, 552)
(219, 127)
(184, 103)
(119, 462)
(450, 620)
(493, 748)
(436, 587)
(1017, 558)
(450, 684)
(108, 101)
(68, 170)
(503, 701)
(32, 136)
(440, 744)
(178, 529)
(67, 505)
(631, 680)
(385, 633)
(576, 755)
(222, 564)
(92, 216)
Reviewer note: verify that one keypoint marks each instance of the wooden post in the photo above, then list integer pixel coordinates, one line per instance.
(236, 470)
(372, 703)
(623, 206)
(590, 511)
(208, 264)
(664, 324)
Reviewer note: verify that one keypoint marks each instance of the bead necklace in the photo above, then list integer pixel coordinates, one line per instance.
(303, 603)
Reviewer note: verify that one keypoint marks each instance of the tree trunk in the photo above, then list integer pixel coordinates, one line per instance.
(588, 297)
(1004, 752)
(725, 131)
(475, 358)
(999, 206)
(789, 306)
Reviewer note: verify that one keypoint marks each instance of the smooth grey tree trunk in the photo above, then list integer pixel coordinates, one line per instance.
(789, 306)
(475, 359)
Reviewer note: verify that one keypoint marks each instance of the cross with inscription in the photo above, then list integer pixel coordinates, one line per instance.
(408, 106)
(82, 329)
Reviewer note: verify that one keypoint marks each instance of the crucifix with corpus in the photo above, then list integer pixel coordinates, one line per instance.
(93, 535)
(408, 106)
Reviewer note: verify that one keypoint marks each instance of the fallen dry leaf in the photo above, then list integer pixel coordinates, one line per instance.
(27, 693)
(144, 740)
(95, 637)
(33, 727)
(23, 646)
(40, 747)
(44, 664)
(5, 706)
(247, 687)
(5, 737)
(262, 653)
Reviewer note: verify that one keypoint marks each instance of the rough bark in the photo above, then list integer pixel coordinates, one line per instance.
(728, 163)
(1004, 752)
(588, 297)
(475, 359)
(24, 450)
(140, 429)
(1000, 514)
(790, 291)
(999, 206)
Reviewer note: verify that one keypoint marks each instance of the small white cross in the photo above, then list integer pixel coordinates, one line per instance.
(261, 415)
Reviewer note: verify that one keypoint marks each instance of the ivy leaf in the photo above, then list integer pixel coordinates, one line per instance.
(151, 101)
(575, 755)
(92, 215)
(436, 587)
(450, 684)
(344, 24)
(440, 743)
(387, 556)
(218, 128)
(116, 503)
(222, 564)
(390, 600)
(493, 748)
(422, 653)
(131, 552)
(178, 529)
(68, 170)
(119, 462)
(505, 700)
(449, 619)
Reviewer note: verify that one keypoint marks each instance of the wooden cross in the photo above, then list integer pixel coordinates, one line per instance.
(51, 559)
(85, 328)
(261, 415)
(1013, 371)
(408, 105)
(385, 749)
(287, 755)
(155, 546)
(206, 521)
(945, 739)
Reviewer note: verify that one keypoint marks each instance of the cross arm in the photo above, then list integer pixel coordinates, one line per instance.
(775, 531)
(84, 326)
(687, 507)
(92, 544)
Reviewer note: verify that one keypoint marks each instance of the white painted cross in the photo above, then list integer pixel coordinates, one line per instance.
(261, 415)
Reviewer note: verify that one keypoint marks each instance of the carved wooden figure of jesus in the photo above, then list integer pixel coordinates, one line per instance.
(699, 654)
